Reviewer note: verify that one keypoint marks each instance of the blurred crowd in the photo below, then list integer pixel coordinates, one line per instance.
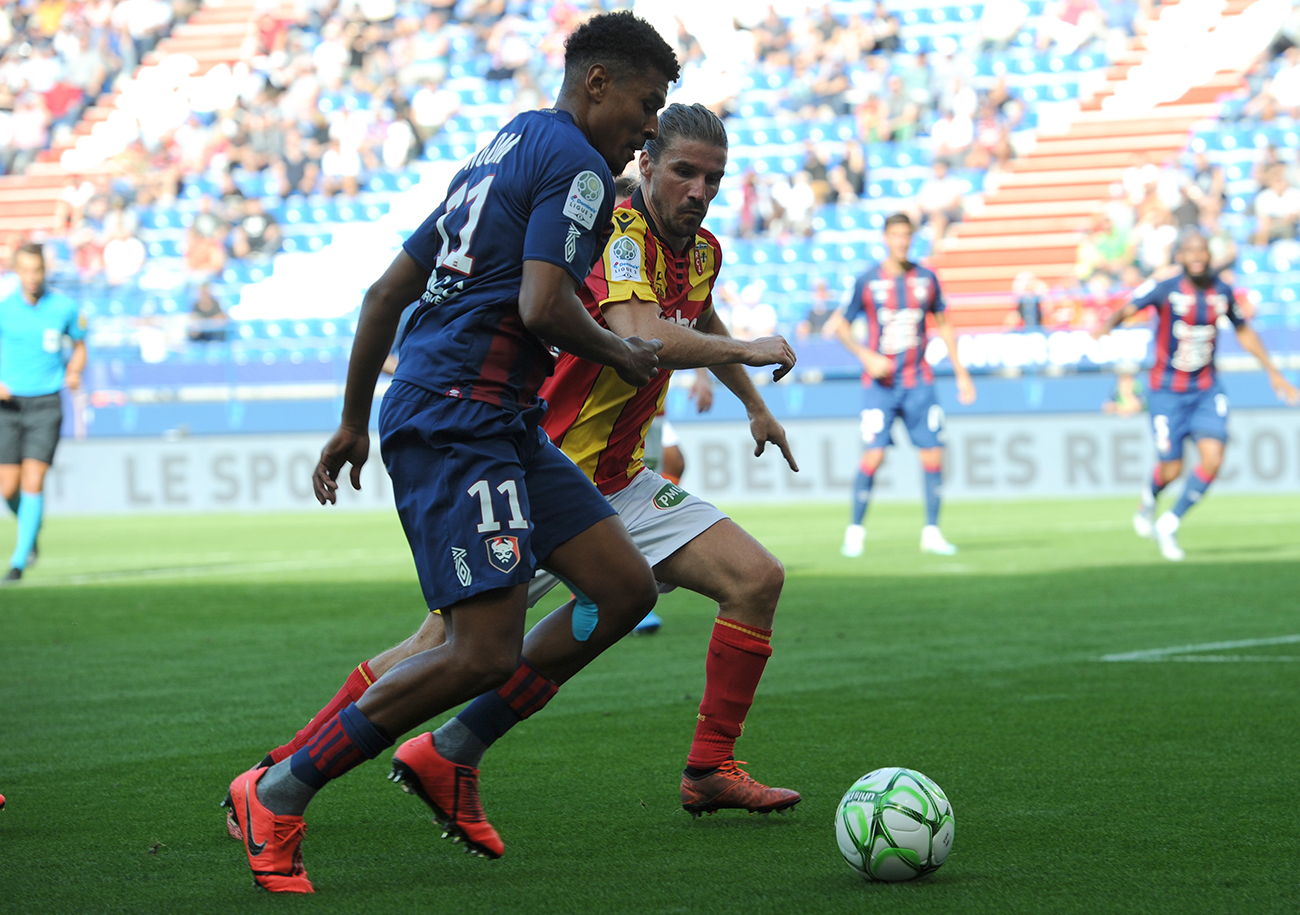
(853, 66)
(61, 55)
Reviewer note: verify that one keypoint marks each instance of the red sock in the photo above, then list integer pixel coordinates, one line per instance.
(353, 689)
(737, 656)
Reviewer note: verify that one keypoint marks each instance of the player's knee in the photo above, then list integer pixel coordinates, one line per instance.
(760, 589)
(1210, 465)
(490, 669)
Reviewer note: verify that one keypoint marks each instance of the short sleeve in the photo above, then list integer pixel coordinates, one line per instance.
(937, 304)
(422, 245)
(852, 306)
(628, 262)
(1147, 295)
(571, 210)
(1234, 313)
(75, 327)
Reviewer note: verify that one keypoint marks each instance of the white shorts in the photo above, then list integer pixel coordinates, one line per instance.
(661, 517)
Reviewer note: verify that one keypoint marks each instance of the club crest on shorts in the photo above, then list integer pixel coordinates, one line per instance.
(669, 496)
(503, 553)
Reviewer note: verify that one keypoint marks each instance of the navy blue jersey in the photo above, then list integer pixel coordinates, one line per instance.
(887, 314)
(538, 191)
(1186, 331)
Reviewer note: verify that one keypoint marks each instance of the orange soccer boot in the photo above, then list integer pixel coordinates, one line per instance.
(451, 791)
(731, 787)
(273, 843)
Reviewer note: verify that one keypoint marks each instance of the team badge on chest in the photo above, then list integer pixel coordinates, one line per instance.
(503, 553)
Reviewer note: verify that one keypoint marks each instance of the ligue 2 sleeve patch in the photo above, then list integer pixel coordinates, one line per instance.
(624, 260)
(585, 196)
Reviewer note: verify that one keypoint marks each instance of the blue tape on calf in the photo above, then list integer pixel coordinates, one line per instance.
(585, 613)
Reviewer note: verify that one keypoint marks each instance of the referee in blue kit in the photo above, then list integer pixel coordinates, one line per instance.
(33, 324)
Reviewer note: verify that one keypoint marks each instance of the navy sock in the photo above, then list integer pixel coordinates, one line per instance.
(862, 494)
(1197, 483)
(933, 492)
(14, 502)
(343, 743)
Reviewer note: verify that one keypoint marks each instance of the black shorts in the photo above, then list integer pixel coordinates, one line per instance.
(29, 428)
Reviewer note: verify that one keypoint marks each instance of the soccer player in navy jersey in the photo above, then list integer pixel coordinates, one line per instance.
(1185, 398)
(883, 324)
(484, 497)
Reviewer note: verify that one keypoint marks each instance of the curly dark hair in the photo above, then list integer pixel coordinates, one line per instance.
(687, 122)
(622, 42)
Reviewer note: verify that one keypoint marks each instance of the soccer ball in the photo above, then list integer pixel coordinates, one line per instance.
(894, 824)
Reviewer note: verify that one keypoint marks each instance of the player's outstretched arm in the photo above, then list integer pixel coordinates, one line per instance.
(965, 387)
(1117, 317)
(1250, 342)
(402, 283)
(762, 424)
(551, 309)
(705, 347)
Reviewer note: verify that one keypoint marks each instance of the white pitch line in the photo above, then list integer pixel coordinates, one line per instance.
(246, 568)
(1232, 658)
(1164, 654)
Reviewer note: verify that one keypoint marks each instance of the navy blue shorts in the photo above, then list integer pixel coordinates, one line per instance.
(483, 494)
(1177, 414)
(920, 411)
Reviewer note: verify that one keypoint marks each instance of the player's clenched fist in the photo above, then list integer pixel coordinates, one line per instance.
(345, 447)
(642, 362)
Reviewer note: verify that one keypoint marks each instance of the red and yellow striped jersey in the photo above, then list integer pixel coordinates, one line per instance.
(597, 419)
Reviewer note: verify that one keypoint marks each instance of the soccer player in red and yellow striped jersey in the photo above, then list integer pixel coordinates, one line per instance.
(656, 279)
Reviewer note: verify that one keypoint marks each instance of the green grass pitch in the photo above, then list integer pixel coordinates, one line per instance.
(145, 662)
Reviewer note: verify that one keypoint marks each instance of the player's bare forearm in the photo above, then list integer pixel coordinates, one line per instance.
(707, 345)
(1251, 343)
(877, 365)
(736, 380)
(550, 308)
(965, 386)
(1115, 319)
(402, 283)
(76, 365)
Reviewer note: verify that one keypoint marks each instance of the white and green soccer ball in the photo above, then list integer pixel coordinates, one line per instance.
(894, 824)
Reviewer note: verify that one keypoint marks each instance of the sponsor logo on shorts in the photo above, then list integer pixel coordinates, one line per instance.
(503, 553)
(462, 567)
(670, 496)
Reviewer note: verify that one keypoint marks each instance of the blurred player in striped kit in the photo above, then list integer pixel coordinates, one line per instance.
(1185, 397)
(883, 324)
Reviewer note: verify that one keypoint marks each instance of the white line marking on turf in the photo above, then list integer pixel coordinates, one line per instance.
(247, 568)
(1191, 652)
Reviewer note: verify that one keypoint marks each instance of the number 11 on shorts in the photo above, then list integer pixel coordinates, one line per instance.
(483, 492)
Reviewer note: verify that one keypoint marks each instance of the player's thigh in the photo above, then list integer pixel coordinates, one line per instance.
(879, 407)
(725, 564)
(604, 564)
(11, 436)
(923, 417)
(462, 500)
(1171, 415)
(42, 421)
(1209, 420)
